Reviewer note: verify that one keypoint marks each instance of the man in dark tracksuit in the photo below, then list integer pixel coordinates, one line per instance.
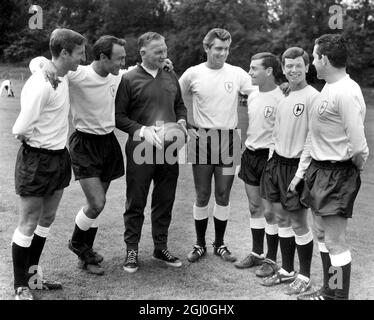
(148, 95)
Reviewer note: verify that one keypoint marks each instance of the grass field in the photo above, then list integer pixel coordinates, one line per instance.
(208, 279)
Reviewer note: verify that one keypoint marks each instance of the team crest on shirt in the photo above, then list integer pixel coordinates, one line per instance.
(298, 109)
(112, 90)
(268, 111)
(322, 108)
(229, 86)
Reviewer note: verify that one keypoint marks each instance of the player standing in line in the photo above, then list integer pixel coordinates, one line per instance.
(287, 167)
(339, 150)
(262, 108)
(147, 95)
(211, 90)
(43, 167)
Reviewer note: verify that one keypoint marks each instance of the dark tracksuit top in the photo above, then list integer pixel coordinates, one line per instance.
(143, 100)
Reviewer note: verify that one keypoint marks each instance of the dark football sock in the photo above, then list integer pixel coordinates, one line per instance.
(287, 247)
(20, 257)
(200, 227)
(305, 253)
(272, 243)
(258, 240)
(220, 228)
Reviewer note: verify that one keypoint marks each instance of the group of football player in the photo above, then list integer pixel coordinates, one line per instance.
(304, 149)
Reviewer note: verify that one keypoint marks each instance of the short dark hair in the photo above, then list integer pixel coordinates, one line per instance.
(269, 60)
(221, 34)
(64, 39)
(295, 52)
(104, 45)
(334, 46)
(147, 37)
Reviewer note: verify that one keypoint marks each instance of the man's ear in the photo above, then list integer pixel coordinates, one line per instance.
(103, 57)
(269, 71)
(64, 53)
(325, 60)
(307, 68)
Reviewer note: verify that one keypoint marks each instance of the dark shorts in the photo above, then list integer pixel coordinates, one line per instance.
(40, 172)
(276, 178)
(215, 147)
(252, 165)
(331, 188)
(96, 156)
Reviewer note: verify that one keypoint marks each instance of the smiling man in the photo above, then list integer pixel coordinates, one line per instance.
(43, 163)
(211, 90)
(262, 108)
(147, 95)
(339, 150)
(285, 170)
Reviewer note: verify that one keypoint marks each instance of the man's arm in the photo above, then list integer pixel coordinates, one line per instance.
(33, 97)
(350, 110)
(246, 86)
(122, 107)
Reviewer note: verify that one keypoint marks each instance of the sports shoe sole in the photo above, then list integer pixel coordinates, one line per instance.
(170, 264)
(130, 270)
(285, 279)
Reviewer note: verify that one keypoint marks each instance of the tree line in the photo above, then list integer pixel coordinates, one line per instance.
(255, 26)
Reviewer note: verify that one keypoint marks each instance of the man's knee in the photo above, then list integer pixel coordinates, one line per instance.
(202, 198)
(222, 196)
(96, 206)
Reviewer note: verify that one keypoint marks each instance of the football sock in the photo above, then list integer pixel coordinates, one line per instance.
(20, 256)
(200, 215)
(272, 240)
(36, 248)
(287, 246)
(342, 264)
(304, 245)
(258, 233)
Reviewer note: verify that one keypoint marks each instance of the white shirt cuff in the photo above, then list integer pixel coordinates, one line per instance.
(141, 132)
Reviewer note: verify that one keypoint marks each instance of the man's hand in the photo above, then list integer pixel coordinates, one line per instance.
(286, 89)
(168, 65)
(21, 137)
(192, 132)
(150, 135)
(50, 73)
(292, 187)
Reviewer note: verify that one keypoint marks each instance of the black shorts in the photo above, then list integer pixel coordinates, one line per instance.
(331, 188)
(96, 156)
(40, 172)
(252, 165)
(275, 180)
(215, 147)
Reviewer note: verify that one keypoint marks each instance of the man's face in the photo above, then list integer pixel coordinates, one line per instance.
(77, 56)
(317, 62)
(258, 72)
(117, 60)
(154, 54)
(217, 54)
(295, 70)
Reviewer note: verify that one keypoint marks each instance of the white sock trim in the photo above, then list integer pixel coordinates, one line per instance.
(221, 213)
(304, 278)
(342, 259)
(271, 229)
(257, 223)
(322, 247)
(95, 224)
(42, 231)
(261, 256)
(82, 221)
(284, 272)
(200, 213)
(21, 240)
(304, 239)
(286, 232)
